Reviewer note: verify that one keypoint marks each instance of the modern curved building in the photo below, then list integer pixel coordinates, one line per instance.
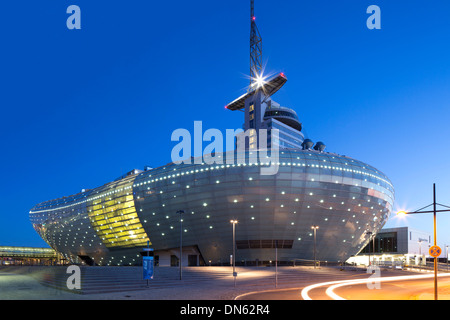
(112, 224)
(346, 199)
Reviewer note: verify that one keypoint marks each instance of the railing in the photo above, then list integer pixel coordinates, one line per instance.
(305, 262)
(388, 263)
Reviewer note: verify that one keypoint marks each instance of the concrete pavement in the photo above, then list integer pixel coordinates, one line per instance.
(198, 283)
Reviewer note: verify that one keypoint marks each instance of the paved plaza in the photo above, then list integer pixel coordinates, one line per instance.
(197, 283)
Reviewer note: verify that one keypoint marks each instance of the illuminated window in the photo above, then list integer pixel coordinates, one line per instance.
(115, 218)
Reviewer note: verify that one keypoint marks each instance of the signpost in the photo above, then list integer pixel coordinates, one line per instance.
(147, 263)
(435, 251)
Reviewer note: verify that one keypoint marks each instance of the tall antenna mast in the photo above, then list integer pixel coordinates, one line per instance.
(260, 87)
(255, 47)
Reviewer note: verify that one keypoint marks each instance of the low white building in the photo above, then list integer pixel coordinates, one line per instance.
(395, 246)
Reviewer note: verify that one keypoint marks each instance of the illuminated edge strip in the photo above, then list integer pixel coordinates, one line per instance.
(218, 167)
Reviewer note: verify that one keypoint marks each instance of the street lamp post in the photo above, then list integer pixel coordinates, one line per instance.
(276, 263)
(370, 235)
(234, 222)
(373, 246)
(420, 255)
(435, 243)
(446, 255)
(315, 230)
(434, 211)
(180, 212)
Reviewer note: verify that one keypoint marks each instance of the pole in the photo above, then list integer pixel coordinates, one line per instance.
(180, 212)
(435, 243)
(373, 247)
(315, 247)
(234, 254)
(276, 263)
(420, 255)
(181, 246)
(434, 211)
(148, 253)
(446, 253)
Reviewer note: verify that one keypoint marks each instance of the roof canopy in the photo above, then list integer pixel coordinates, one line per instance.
(269, 88)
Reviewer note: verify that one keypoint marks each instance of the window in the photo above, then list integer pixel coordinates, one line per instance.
(264, 244)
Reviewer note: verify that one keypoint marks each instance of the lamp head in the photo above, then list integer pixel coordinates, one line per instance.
(401, 213)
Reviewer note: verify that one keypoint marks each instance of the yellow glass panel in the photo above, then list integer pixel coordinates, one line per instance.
(115, 219)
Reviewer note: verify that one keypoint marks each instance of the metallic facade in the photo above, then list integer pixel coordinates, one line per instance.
(111, 224)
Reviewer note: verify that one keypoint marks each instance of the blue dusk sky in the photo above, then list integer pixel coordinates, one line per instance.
(80, 108)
